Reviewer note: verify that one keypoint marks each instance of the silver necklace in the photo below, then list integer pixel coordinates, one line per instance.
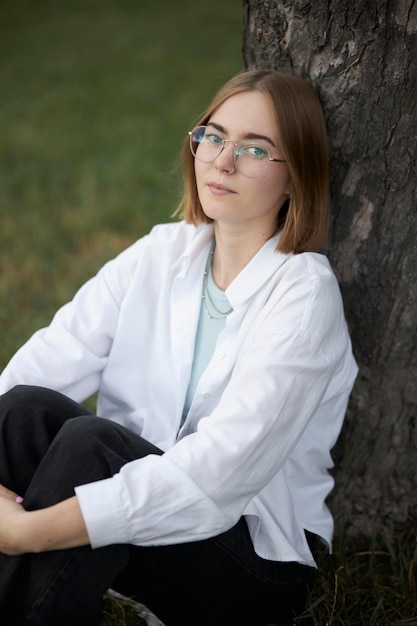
(207, 297)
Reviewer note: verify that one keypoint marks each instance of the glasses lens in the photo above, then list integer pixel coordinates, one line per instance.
(251, 159)
(206, 143)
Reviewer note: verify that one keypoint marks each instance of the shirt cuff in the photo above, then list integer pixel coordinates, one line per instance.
(102, 511)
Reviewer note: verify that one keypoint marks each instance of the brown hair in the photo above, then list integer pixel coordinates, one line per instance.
(303, 218)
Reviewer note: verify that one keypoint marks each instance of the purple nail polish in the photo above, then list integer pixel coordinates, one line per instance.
(19, 500)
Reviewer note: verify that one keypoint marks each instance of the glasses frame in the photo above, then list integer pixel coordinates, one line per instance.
(235, 153)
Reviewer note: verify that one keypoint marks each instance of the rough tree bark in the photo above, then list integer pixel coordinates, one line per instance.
(361, 56)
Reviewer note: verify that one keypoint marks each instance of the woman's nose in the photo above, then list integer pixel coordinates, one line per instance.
(226, 160)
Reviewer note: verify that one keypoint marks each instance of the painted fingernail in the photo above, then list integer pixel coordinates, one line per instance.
(19, 500)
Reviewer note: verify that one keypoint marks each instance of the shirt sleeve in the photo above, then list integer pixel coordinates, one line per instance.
(70, 353)
(201, 486)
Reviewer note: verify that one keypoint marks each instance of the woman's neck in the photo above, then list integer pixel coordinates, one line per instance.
(233, 251)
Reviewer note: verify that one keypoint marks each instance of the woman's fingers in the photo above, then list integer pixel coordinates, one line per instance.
(9, 494)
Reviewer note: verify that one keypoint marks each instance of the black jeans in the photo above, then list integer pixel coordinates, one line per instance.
(48, 445)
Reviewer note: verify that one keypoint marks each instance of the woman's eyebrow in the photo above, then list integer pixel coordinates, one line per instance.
(247, 136)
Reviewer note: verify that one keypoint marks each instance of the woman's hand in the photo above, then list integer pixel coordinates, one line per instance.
(7, 493)
(54, 528)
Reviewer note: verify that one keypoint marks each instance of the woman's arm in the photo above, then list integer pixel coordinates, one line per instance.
(53, 528)
(70, 354)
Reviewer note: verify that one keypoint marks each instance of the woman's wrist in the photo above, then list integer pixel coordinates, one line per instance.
(56, 527)
(17, 532)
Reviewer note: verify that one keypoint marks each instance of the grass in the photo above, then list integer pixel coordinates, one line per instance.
(96, 97)
(118, 612)
(375, 585)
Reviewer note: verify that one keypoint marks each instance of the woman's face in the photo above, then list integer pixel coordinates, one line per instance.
(226, 195)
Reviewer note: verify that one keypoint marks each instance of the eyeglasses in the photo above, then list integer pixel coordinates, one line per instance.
(251, 159)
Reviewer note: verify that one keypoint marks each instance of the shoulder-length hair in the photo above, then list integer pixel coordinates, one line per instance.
(303, 218)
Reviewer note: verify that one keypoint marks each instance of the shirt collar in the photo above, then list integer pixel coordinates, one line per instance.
(196, 249)
(257, 272)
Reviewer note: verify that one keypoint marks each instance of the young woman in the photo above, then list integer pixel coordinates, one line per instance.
(223, 365)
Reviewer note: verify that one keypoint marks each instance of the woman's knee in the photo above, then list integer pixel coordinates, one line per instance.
(36, 414)
(28, 404)
(98, 437)
(22, 405)
(29, 397)
(82, 430)
(74, 457)
(88, 436)
(88, 448)
(22, 396)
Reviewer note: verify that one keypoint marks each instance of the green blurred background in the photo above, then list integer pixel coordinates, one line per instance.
(96, 97)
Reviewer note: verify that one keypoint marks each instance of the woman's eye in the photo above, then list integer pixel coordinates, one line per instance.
(213, 138)
(256, 151)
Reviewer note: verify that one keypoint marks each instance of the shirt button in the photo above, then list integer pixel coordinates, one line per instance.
(206, 395)
(221, 354)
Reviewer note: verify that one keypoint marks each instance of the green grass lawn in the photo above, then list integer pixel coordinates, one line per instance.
(96, 97)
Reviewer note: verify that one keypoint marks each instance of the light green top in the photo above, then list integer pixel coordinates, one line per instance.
(210, 324)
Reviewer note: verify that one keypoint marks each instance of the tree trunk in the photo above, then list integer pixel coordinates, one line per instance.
(361, 56)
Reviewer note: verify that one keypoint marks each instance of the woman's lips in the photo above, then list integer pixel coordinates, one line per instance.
(219, 190)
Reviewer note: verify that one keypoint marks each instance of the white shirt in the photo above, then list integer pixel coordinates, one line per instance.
(266, 412)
